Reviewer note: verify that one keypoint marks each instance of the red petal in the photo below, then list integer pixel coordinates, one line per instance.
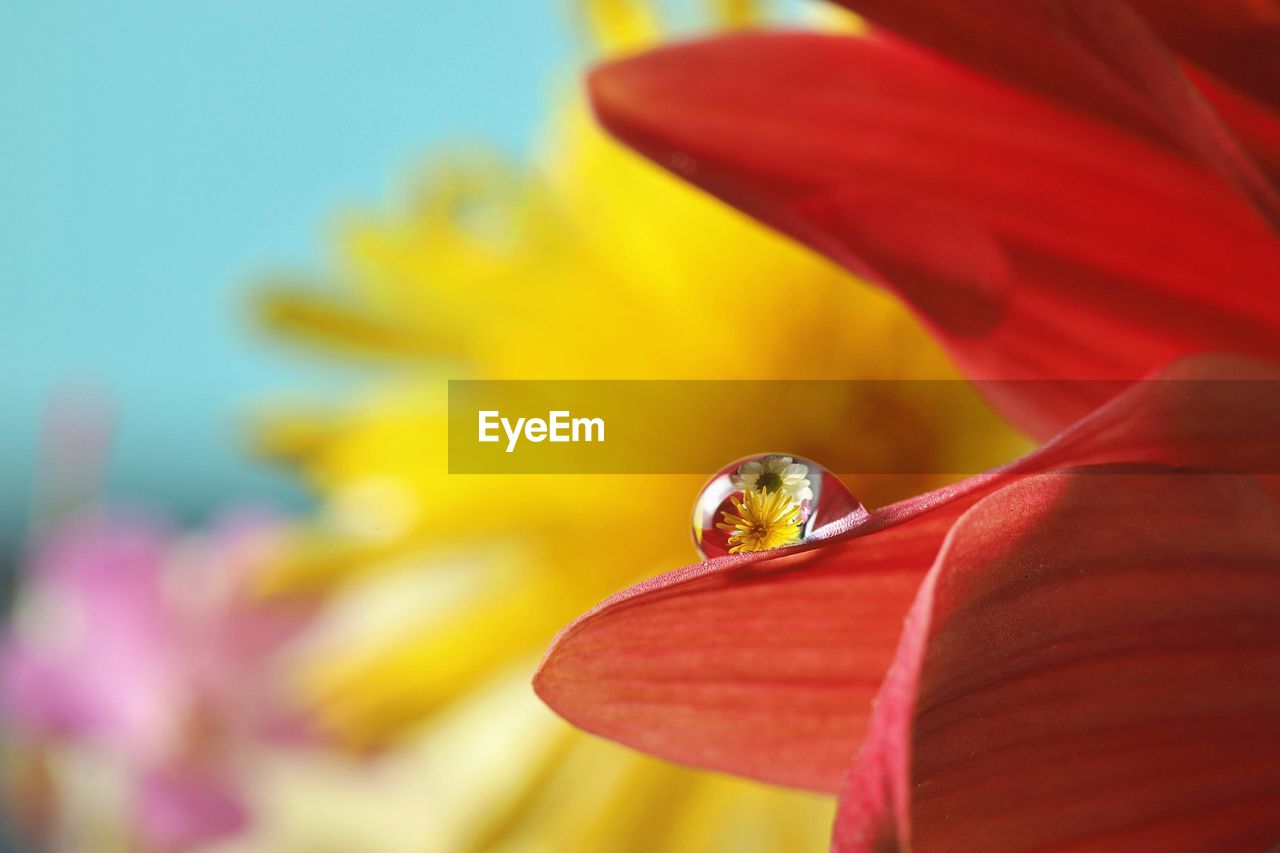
(1040, 244)
(765, 665)
(1092, 661)
(1095, 55)
(1099, 56)
(1237, 40)
(1255, 125)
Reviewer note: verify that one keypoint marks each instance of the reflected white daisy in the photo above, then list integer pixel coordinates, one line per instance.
(774, 473)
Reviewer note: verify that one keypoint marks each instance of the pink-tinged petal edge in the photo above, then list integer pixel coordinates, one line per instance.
(179, 807)
(99, 579)
(1091, 663)
(765, 665)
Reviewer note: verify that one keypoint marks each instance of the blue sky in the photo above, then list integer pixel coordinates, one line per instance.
(155, 157)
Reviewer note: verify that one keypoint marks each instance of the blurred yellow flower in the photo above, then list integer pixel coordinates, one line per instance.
(446, 588)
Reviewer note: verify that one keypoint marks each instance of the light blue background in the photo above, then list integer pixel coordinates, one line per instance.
(156, 156)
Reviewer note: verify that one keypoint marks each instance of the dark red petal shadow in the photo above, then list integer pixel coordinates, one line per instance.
(1102, 57)
(1092, 662)
(1256, 125)
(1237, 40)
(765, 665)
(1038, 243)
(1095, 56)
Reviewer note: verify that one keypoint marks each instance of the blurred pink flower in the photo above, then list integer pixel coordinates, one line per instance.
(147, 649)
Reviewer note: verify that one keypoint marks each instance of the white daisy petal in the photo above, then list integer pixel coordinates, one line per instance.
(777, 464)
(746, 477)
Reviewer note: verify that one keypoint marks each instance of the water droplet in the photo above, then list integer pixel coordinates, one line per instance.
(767, 501)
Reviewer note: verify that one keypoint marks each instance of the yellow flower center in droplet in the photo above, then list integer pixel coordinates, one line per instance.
(765, 520)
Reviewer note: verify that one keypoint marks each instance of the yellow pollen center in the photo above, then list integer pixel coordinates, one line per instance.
(764, 520)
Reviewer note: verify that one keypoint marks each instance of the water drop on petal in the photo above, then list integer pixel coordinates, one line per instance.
(766, 501)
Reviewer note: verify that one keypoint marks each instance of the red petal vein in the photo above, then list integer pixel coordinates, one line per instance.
(1091, 662)
(765, 664)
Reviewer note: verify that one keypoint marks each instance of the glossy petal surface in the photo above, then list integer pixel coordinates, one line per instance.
(1091, 662)
(765, 665)
(1113, 59)
(1037, 241)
